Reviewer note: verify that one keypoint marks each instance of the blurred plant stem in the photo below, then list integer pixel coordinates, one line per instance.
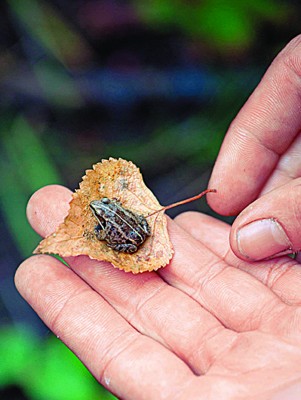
(25, 167)
(47, 26)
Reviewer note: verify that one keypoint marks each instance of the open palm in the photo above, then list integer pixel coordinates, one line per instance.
(208, 326)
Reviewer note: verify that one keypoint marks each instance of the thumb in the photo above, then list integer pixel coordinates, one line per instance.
(270, 226)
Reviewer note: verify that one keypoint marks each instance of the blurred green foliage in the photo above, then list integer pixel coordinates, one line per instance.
(45, 369)
(25, 167)
(223, 24)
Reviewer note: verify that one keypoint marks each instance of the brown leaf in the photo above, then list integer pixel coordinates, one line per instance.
(75, 236)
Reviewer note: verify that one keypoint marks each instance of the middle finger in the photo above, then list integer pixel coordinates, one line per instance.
(281, 275)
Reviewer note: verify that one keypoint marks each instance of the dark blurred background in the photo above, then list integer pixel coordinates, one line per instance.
(153, 81)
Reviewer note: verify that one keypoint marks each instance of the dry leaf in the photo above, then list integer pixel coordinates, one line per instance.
(75, 236)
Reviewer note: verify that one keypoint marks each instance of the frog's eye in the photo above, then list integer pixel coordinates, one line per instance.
(105, 200)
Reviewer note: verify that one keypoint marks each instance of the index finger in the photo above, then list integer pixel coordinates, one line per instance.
(262, 131)
(126, 362)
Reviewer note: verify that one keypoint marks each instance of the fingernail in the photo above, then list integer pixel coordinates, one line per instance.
(262, 239)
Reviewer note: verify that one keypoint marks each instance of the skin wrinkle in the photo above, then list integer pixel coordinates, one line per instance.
(243, 344)
(294, 201)
(201, 286)
(200, 281)
(57, 319)
(285, 320)
(145, 301)
(266, 146)
(289, 63)
(278, 178)
(135, 316)
(200, 360)
(189, 353)
(184, 219)
(161, 338)
(286, 64)
(260, 272)
(252, 322)
(108, 358)
(272, 313)
(50, 320)
(106, 374)
(224, 346)
(275, 273)
(89, 344)
(269, 279)
(287, 175)
(264, 172)
(198, 287)
(290, 164)
(182, 351)
(232, 346)
(265, 271)
(186, 287)
(179, 394)
(294, 321)
(123, 311)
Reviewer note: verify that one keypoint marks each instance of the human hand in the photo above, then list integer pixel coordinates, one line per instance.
(259, 166)
(200, 328)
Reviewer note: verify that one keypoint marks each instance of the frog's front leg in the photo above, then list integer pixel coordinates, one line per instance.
(124, 247)
(100, 233)
(144, 225)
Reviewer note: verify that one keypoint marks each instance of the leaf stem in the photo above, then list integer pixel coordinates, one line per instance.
(179, 203)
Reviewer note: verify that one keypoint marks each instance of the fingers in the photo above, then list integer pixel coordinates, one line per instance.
(270, 226)
(282, 275)
(238, 300)
(288, 167)
(48, 207)
(229, 294)
(216, 238)
(262, 131)
(99, 336)
(146, 301)
(159, 311)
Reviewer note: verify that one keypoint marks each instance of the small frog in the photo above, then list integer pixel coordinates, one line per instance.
(122, 229)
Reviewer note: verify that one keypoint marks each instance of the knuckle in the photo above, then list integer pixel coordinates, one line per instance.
(121, 346)
(59, 316)
(290, 56)
(147, 303)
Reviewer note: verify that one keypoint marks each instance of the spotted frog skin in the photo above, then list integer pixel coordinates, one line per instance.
(122, 229)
